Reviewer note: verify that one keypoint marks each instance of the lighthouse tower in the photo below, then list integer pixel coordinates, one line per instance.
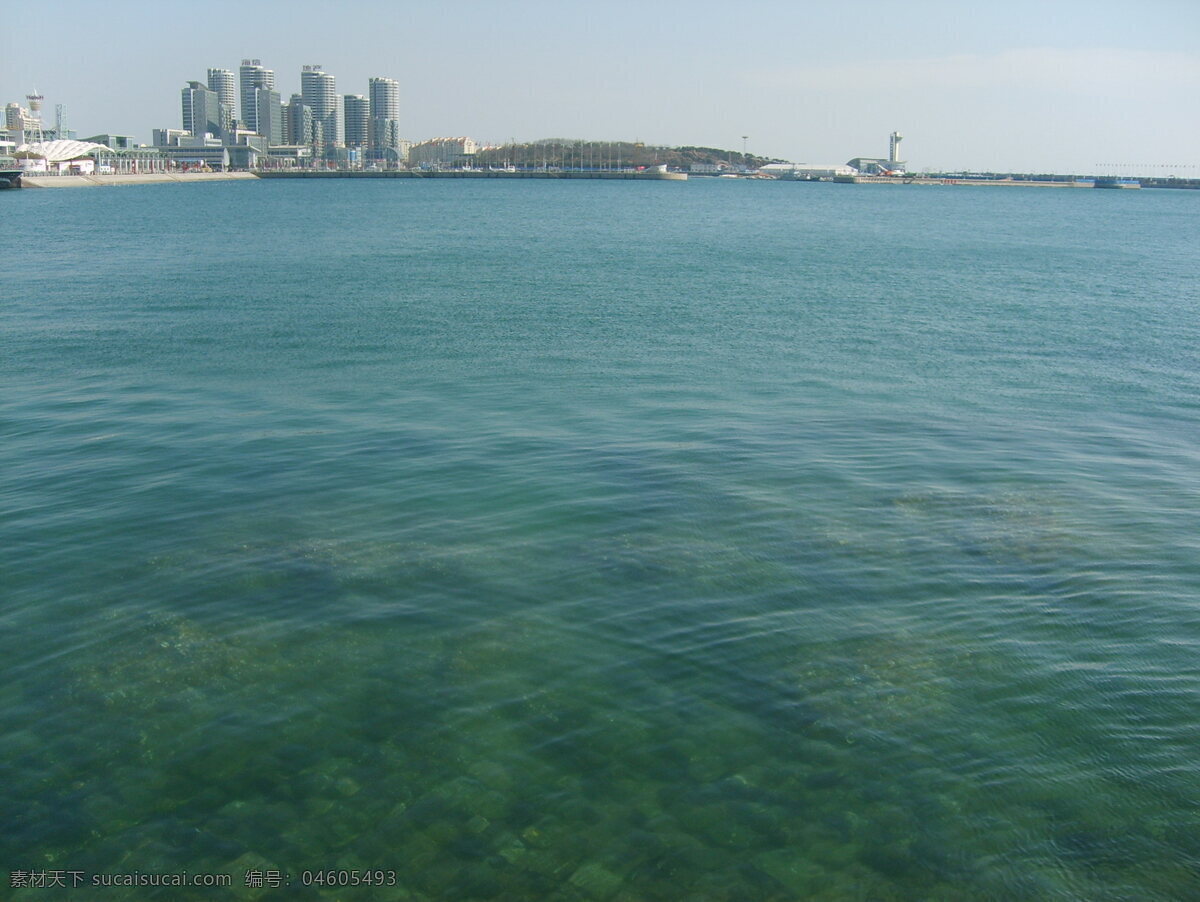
(894, 147)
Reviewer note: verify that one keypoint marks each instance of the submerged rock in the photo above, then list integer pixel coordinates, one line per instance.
(596, 881)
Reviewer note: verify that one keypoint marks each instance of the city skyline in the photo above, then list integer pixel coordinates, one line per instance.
(1074, 87)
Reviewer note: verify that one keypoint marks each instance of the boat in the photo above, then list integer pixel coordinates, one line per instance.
(1113, 181)
(10, 178)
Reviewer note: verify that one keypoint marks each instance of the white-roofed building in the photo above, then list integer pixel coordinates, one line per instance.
(70, 157)
(62, 156)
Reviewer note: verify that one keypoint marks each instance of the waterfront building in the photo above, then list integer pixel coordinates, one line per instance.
(269, 115)
(806, 171)
(246, 154)
(876, 166)
(357, 113)
(168, 137)
(442, 152)
(58, 157)
(288, 156)
(114, 142)
(345, 157)
(384, 94)
(893, 165)
(64, 156)
(319, 90)
(245, 136)
(197, 153)
(190, 152)
(201, 110)
(253, 75)
(131, 161)
(194, 141)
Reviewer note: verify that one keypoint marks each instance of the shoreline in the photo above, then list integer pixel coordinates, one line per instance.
(85, 181)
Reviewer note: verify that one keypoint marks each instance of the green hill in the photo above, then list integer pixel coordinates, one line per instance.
(570, 154)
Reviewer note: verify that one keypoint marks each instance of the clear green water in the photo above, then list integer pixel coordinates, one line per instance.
(602, 541)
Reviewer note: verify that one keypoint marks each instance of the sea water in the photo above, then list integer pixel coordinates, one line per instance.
(718, 540)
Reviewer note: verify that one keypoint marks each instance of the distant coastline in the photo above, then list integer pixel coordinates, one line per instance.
(81, 181)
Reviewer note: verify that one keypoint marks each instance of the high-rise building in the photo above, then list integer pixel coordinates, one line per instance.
(253, 75)
(221, 81)
(268, 115)
(300, 121)
(319, 90)
(357, 112)
(385, 117)
(201, 110)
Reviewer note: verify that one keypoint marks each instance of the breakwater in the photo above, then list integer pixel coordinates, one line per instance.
(1040, 182)
(952, 180)
(642, 175)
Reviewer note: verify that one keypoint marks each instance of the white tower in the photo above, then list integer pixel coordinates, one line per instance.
(894, 147)
(35, 116)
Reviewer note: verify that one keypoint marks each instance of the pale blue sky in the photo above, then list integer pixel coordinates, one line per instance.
(1029, 86)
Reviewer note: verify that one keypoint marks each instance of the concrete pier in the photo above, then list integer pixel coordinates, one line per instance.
(81, 181)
